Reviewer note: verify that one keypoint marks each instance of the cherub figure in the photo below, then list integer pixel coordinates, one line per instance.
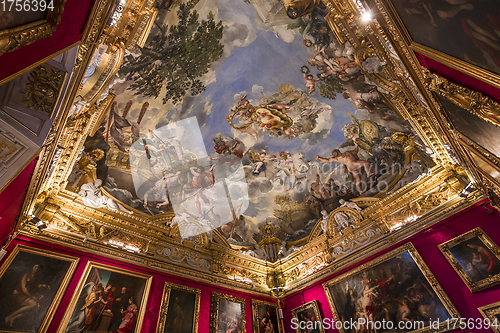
(310, 83)
(348, 158)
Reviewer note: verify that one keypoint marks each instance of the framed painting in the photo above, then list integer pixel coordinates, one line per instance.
(24, 24)
(491, 314)
(265, 317)
(227, 314)
(32, 283)
(394, 288)
(459, 34)
(107, 299)
(475, 258)
(309, 318)
(180, 306)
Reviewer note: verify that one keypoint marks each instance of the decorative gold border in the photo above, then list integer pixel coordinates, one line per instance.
(448, 60)
(162, 318)
(60, 292)
(74, 299)
(14, 38)
(408, 247)
(314, 305)
(489, 312)
(476, 103)
(255, 314)
(214, 310)
(479, 233)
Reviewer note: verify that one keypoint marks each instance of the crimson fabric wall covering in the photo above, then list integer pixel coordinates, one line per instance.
(426, 244)
(155, 294)
(68, 32)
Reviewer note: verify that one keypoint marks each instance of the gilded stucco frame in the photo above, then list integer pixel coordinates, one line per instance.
(489, 312)
(314, 305)
(479, 233)
(431, 279)
(214, 310)
(162, 318)
(14, 38)
(477, 104)
(76, 294)
(448, 60)
(255, 314)
(62, 289)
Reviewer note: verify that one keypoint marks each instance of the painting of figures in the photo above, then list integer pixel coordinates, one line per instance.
(265, 317)
(308, 317)
(464, 29)
(32, 283)
(227, 314)
(234, 117)
(179, 309)
(478, 259)
(397, 288)
(483, 133)
(107, 300)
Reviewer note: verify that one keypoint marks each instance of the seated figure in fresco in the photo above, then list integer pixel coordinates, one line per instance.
(298, 8)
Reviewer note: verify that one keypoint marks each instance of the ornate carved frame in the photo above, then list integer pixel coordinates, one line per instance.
(64, 285)
(479, 233)
(314, 305)
(432, 198)
(490, 312)
(162, 318)
(214, 310)
(458, 64)
(255, 315)
(83, 279)
(14, 38)
(408, 247)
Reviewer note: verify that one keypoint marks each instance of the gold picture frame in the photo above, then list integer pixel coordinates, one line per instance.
(22, 256)
(215, 307)
(461, 65)
(404, 256)
(15, 37)
(473, 239)
(256, 320)
(167, 291)
(91, 266)
(492, 312)
(307, 307)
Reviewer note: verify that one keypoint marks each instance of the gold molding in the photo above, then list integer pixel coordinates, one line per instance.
(309, 305)
(491, 312)
(214, 310)
(487, 282)
(76, 294)
(476, 103)
(433, 282)
(162, 318)
(14, 38)
(64, 284)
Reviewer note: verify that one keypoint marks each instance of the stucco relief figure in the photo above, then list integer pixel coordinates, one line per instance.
(283, 252)
(343, 221)
(324, 220)
(413, 172)
(93, 197)
(349, 204)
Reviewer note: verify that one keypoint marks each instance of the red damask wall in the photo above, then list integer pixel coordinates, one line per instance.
(459, 77)
(11, 201)
(155, 294)
(426, 244)
(68, 32)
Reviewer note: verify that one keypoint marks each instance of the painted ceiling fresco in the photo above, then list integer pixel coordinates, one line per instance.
(237, 116)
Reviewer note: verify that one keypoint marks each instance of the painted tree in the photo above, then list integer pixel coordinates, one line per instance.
(176, 57)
